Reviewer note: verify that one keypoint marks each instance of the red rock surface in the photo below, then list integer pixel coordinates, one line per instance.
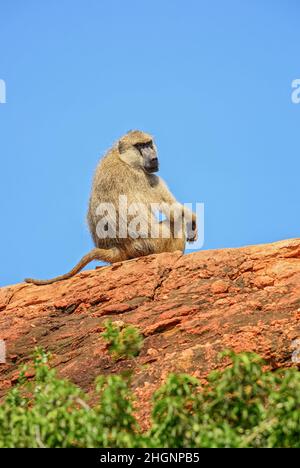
(189, 307)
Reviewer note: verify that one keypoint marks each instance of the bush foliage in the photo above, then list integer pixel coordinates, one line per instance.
(124, 341)
(241, 406)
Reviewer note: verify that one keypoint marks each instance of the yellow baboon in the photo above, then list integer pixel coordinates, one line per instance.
(124, 185)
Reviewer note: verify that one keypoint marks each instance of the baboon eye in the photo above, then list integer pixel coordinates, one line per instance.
(140, 146)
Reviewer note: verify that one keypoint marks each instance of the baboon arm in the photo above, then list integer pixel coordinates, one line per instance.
(169, 198)
(105, 255)
(178, 209)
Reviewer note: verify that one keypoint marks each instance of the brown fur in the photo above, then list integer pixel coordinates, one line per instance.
(120, 172)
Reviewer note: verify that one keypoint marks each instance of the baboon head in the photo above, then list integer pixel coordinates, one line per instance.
(137, 149)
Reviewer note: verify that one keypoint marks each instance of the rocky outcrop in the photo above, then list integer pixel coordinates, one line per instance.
(188, 307)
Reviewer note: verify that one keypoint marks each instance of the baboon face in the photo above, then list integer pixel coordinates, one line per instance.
(149, 155)
(138, 150)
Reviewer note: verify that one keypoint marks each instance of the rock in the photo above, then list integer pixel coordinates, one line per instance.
(189, 308)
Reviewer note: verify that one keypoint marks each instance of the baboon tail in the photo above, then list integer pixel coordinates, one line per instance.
(109, 255)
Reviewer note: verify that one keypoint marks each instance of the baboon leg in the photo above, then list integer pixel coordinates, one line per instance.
(106, 255)
(173, 244)
(173, 241)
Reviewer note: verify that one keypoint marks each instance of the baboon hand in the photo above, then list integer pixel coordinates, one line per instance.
(192, 232)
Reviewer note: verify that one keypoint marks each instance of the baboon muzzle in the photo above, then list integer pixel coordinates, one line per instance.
(150, 159)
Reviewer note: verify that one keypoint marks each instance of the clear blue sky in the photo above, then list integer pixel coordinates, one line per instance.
(210, 79)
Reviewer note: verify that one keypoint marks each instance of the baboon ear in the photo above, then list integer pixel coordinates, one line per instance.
(121, 147)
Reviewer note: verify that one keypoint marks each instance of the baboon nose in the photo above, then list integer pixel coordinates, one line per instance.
(152, 165)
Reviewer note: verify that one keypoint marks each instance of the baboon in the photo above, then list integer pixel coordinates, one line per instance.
(127, 170)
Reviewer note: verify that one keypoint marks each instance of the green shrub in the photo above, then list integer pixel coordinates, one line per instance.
(241, 406)
(124, 341)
